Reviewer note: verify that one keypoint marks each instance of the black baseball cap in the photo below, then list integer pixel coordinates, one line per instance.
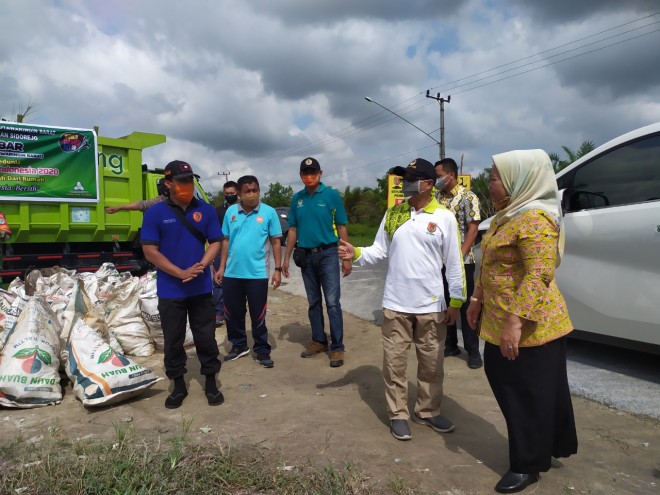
(418, 169)
(310, 163)
(178, 170)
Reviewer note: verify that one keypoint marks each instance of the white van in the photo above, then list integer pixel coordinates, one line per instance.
(610, 271)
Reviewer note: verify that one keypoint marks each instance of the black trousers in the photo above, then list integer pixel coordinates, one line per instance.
(532, 392)
(200, 312)
(238, 291)
(470, 337)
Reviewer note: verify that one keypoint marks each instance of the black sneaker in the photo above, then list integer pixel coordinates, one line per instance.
(265, 360)
(237, 352)
(438, 423)
(452, 351)
(475, 361)
(400, 429)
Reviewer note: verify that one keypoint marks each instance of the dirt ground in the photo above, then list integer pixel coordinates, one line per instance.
(304, 411)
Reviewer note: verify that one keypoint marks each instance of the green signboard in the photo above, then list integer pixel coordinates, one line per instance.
(44, 163)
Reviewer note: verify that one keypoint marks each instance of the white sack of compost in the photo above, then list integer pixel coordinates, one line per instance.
(150, 314)
(105, 271)
(29, 358)
(54, 284)
(108, 278)
(122, 314)
(61, 281)
(16, 285)
(91, 284)
(81, 306)
(11, 304)
(100, 375)
(6, 309)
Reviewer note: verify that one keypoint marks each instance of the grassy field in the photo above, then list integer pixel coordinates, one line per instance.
(361, 235)
(127, 465)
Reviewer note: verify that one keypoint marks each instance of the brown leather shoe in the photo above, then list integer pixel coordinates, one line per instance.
(336, 359)
(314, 348)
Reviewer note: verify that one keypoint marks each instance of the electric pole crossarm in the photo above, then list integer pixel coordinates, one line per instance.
(442, 102)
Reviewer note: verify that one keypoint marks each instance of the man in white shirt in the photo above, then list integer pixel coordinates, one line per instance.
(418, 237)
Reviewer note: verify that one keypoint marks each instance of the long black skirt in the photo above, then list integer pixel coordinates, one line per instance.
(532, 392)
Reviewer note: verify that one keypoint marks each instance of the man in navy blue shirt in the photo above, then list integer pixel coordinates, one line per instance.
(174, 234)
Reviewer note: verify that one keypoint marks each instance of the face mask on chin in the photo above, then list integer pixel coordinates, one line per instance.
(184, 192)
(250, 199)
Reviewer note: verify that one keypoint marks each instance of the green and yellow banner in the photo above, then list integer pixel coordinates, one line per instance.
(44, 163)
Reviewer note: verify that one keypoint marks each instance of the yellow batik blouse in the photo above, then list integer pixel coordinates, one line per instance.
(518, 277)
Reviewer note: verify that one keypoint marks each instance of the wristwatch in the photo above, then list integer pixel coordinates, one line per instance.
(278, 268)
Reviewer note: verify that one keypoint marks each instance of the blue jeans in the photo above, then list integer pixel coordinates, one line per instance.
(322, 273)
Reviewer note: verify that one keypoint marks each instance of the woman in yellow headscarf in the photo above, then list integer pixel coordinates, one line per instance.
(524, 320)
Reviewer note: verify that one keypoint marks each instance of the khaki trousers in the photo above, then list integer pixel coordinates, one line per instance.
(428, 333)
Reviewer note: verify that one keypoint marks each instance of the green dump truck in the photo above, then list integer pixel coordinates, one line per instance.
(54, 186)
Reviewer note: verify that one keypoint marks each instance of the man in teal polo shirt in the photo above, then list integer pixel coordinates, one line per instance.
(317, 220)
(252, 232)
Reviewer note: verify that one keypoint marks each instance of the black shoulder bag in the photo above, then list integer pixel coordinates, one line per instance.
(181, 216)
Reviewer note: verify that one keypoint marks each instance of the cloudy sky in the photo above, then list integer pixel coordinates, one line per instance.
(254, 86)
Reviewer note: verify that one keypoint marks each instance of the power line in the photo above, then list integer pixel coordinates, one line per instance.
(557, 55)
(555, 62)
(413, 106)
(548, 50)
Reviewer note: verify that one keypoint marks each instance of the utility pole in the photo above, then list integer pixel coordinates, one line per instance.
(441, 101)
(226, 174)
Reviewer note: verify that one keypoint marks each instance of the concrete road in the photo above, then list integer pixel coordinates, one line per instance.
(623, 379)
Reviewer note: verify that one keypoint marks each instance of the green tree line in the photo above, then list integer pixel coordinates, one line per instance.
(365, 206)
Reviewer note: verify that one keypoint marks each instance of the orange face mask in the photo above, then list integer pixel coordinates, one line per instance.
(184, 192)
(311, 180)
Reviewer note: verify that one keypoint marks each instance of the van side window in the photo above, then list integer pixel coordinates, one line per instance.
(628, 174)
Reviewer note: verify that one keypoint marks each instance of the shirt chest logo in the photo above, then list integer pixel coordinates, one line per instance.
(197, 216)
(431, 228)
(260, 219)
(300, 203)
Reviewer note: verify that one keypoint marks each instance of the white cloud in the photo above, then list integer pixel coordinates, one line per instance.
(228, 81)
